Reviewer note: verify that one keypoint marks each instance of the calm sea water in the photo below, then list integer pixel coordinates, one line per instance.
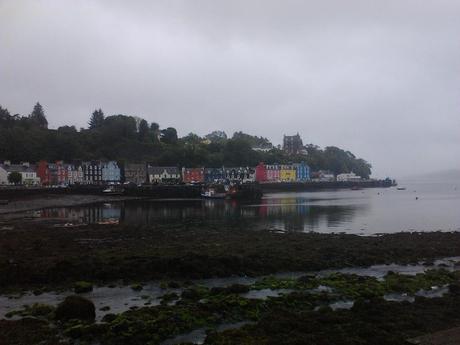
(423, 206)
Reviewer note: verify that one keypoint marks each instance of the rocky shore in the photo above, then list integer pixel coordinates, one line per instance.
(346, 308)
(39, 254)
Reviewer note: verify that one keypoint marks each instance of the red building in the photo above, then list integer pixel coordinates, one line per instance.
(261, 172)
(43, 172)
(52, 173)
(192, 175)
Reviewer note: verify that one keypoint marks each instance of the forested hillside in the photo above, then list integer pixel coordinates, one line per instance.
(129, 138)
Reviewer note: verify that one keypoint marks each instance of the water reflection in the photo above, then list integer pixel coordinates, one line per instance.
(422, 207)
(285, 214)
(84, 215)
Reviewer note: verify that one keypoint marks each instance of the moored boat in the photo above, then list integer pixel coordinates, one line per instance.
(112, 191)
(214, 192)
(210, 193)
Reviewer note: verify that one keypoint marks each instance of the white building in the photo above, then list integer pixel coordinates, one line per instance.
(28, 173)
(322, 176)
(3, 175)
(163, 174)
(348, 177)
(74, 174)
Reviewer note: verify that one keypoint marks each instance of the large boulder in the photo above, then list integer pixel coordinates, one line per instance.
(76, 307)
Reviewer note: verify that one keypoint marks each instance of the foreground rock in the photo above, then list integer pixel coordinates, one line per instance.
(76, 307)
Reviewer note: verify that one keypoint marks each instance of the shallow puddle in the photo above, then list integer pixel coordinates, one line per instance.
(345, 304)
(265, 293)
(118, 299)
(121, 298)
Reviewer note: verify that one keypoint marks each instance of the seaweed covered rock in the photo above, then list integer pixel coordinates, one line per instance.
(137, 287)
(76, 307)
(35, 310)
(238, 288)
(82, 287)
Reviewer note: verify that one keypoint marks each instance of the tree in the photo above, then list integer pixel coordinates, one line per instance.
(143, 130)
(97, 119)
(253, 140)
(120, 126)
(155, 133)
(38, 116)
(169, 135)
(216, 136)
(4, 114)
(15, 177)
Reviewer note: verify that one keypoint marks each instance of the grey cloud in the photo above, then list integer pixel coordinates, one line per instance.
(380, 78)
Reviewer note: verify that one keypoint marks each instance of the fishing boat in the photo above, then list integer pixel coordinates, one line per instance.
(214, 192)
(112, 191)
(235, 191)
(401, 188)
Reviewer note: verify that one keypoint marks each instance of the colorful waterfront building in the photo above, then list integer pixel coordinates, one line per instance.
(213, 175)
(27, 171)
(349, 177)
(239, 174)
(61, 173)
(273, 172)
(287, 173)
(43, 173)
(261, 172)
(135, 173)
(322, 176)
(192, 175)
(163, 174)
(92, 172)
(74, 174)
(110, 172)
(52, 174)
(302, 172)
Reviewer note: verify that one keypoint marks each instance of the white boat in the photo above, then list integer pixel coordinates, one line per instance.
(212, 193)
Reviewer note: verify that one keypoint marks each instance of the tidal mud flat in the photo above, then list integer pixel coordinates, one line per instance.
(36, 254)
(166, 277)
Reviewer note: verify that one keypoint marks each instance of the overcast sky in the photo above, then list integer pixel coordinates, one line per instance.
(380, 78)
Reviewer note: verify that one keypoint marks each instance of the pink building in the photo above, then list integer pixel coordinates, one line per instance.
(273, 172)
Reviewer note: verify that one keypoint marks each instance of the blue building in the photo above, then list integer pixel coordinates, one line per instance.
(214, 175)
(110, 172)
(302, 171)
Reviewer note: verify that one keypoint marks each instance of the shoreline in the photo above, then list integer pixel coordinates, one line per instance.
(58, 200)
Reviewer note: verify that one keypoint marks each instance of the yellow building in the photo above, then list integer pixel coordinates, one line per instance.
(288, 173)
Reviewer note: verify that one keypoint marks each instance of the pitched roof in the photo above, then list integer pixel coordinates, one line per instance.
(160, 170)
(17, 167)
